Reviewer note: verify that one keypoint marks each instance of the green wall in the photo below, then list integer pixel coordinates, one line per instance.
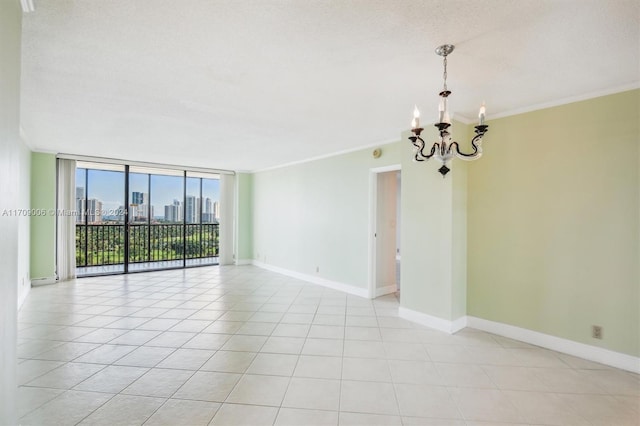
(43, 228)
(553, 222)
(433, 229)
(542, 233)
(463, 134)
(313, 218)
(315, 215)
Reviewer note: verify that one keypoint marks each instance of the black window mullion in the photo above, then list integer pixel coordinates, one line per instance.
(200, 227)
(184, 218)
(126, 225)
(86, 217)
(149, 217)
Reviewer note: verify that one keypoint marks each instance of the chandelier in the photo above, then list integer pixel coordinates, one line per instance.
(445, 148)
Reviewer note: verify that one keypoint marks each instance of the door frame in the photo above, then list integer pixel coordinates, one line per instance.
(373, 216)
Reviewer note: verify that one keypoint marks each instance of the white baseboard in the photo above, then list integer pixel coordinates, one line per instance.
(433, 322)
(558, 344)
(347, 288)
(459, 324)
(570, 347)
(22, 295)
(240, 262)
(389, 289)
(42, 281)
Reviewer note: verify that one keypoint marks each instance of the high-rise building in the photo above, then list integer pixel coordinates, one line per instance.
(120, 214)
(138, 198)
(80, 210)
(207, 211)
(216, 210)
(192, 209)
(94, 211)
(173, 212)
(80, 204)
(139, 208)
(140, 213)
(89, 210)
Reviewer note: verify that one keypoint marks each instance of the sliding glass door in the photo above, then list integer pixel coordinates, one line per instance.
(202, 215)
(100, 230)
(161, 237)
(149, 219)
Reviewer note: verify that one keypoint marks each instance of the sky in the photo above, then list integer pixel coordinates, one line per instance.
(108, 187)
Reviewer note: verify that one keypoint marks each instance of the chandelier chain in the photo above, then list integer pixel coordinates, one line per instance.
(444, 74)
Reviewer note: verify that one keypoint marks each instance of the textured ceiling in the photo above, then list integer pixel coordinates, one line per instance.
(251, 84)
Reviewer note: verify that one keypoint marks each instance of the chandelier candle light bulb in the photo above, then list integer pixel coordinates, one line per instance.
(446, 118)
(445, 148)
(415, 123)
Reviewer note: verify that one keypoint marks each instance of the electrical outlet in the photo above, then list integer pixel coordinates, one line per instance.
(317, 269)
(596, 331)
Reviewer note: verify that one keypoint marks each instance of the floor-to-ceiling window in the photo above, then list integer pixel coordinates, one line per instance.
(139, 216)
(133, 218)
(100, 226)
(202, 218)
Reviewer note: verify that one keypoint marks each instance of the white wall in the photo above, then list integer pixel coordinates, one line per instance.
(14, 165)
(24, 224)
(313, 218)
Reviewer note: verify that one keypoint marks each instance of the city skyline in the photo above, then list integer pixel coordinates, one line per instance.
(108, 188)
(138, 211)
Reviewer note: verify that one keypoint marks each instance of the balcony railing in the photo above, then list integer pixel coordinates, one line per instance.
(103, 244)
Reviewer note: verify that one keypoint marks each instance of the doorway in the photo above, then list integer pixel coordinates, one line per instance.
(384, 246)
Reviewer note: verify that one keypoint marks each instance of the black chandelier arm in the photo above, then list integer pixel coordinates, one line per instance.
(431, 154)
(454, 145)
(475, 143)
(420, 144)
(418, 149)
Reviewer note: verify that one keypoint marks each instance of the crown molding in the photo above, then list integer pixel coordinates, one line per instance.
(565, 101)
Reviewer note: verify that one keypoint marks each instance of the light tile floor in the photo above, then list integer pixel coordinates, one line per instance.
(244, 346)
